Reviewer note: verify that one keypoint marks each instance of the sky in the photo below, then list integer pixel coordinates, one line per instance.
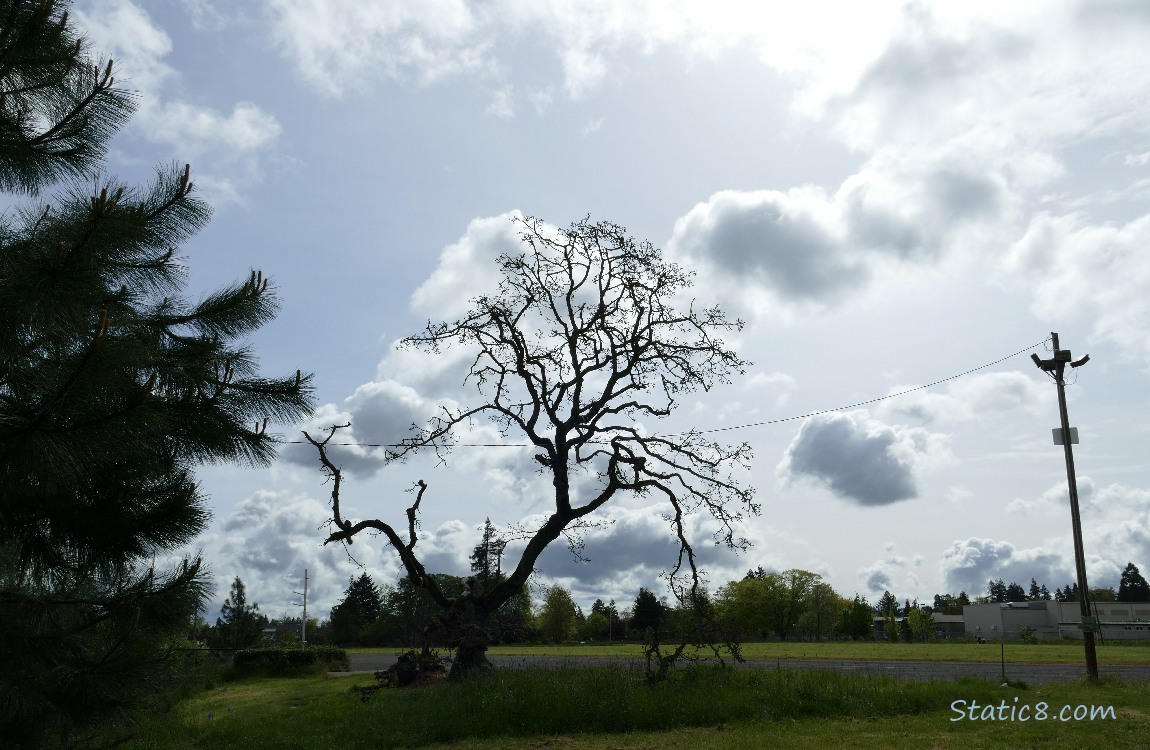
(889, 194)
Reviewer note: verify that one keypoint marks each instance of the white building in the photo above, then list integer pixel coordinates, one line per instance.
(1050, 620)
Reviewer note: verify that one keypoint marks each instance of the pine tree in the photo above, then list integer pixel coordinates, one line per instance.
(360, 608)
(239, 624)
(647, 612)
(487, 559)
(112, 389)
(887, 603)
(1133, 587)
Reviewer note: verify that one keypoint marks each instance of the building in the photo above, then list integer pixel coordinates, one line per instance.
(1049, 620)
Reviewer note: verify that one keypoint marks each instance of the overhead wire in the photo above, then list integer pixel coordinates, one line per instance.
(740, 426)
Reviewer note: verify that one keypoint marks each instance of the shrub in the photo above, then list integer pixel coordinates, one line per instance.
(284, 662)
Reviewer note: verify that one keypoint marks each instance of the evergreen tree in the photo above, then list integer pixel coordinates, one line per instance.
(1035, 593)
(360, 608)
(887, 604)
(240, 624)
(1133, 587)
(487, 559)
(647, 612)
(1015, 593)
(112, 389)
(996, 590)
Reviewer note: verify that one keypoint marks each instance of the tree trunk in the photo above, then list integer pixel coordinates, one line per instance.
(471, 655)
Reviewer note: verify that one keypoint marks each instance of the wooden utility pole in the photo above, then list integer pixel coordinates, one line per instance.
(1057, 368)
(303, 628)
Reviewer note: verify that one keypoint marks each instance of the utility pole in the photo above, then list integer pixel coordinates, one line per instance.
(1057, 368)
(303, 628)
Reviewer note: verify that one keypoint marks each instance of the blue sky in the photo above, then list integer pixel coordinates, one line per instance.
(888, 195)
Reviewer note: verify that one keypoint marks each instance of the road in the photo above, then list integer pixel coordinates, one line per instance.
(909, 670)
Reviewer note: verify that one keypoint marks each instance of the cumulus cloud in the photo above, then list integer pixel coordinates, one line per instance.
(227, 141)
(893, 572)
(1116, 519)
(1116, 522)
(860, 459)
(778, 252)
(1072, 266)
(269, 539)
(467, 267)
(970, 563)
(632, 547)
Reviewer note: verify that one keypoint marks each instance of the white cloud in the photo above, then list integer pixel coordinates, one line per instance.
(1077, 269)
(502, 104)
(893, 572)
(467, 267)
(334, 43)
(969, 564)
(1115, 524)
(227, 143)
(269, 539)
(989, 395)
(860, 459)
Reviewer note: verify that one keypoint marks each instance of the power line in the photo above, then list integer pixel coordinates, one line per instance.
(740, 426)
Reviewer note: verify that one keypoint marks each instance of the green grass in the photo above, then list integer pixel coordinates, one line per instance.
(1062, 652)
(614, 708)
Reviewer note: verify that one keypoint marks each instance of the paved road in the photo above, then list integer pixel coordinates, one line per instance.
(910, 670)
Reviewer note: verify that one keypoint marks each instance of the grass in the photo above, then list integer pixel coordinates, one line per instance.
(614, 708)
(1061, 652)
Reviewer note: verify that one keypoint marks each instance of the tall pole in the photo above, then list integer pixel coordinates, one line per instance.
(303, 626)
(1057, 366)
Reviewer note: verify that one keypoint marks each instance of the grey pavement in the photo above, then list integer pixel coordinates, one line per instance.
(908, 670)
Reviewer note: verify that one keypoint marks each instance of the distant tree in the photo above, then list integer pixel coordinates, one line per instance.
(797, 584)
(921, 624)
(1069, 593)
(647, 612)
(1045, 594)
(360, 607)
(113, 390)
(996, 590)
(1035, 592)
(887, 604)
(239, 624)
(822, 609)
(856, 620)
(487, 559)
(1103, 594)
(963, 601)
(1015, 593)
(557, 617)
(946, 604)
(611, 613)
(595, 627)
(1133, 587)
(581, 342)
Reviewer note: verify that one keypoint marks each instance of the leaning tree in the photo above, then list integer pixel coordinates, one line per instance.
(579, 345)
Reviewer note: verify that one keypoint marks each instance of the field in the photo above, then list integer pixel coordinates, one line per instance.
(605, 708)
(1060, 652)
(614, 708)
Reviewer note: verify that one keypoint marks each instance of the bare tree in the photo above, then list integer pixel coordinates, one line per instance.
(580, 344)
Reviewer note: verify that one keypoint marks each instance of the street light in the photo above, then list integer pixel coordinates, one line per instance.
(1057, 367)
